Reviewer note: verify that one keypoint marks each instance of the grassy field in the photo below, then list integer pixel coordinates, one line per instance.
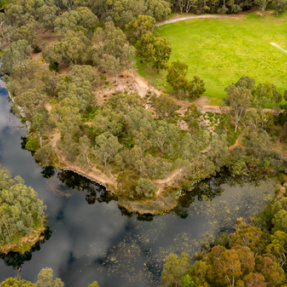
(220, 51)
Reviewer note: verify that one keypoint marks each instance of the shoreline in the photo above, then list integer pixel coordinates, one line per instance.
(25, 243)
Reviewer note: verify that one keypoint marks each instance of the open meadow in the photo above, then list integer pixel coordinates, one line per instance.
(220, 51)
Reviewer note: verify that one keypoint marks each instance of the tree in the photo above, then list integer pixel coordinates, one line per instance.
(186, 5)
(107, 120)
(239, 99)
(87, 18)
(39, 124)
(67, 21)
(45, 155)
(139, 26)
(280, 6)
(67, 117)
(175, 269)
(162, 53)
(142, 140)
(107, 146)
(264, 94)
(94, 284)
(164, 135)
(14, 55)
(27, 32)
(84, 151)
(187, 281)
(46, 15)
(254, 280)
(145, 188)
(176, 77)
(159, 9)
(154, 50)
(82, 73)
(72, 87)
(280, 220)
(31, 103)
(278, 246)
(26, 70)
(251, 237)
(5, 34)
(191, 116)
(195, 88)
(270, 269)
(45, 279)
(165, 106)
(112, 51)
(262, 4)
(246, 82)
(121, 103)
(175, 70)
(74, 48)
(225, 266)
(16, 282)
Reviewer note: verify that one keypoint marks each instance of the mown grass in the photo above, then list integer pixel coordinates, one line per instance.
(220, 51)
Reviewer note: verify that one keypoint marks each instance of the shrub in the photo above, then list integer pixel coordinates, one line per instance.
(32, 145)
(54, 66)
(37, 49)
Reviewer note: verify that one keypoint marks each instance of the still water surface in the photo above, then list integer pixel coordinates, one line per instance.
(90, 238)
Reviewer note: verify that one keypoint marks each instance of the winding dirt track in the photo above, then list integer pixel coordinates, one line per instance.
(204, 16)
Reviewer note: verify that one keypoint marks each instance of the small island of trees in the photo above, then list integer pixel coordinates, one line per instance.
(22, 215)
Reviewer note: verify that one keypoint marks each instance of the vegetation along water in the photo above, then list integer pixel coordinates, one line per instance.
(142, 143)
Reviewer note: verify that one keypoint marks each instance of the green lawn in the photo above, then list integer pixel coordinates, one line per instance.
(220, 51)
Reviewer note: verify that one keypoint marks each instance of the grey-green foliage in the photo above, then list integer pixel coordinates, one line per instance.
(107, 146)
(145, 188)
(14, 55)
(124, 11)
(112, 51)
(20, 209)
(69, 20)
(45, 279)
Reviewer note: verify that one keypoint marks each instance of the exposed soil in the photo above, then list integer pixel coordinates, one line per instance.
(168, 181)
(237, 142)
(25, 243)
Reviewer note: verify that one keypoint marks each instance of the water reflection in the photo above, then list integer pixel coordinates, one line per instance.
(94, 192)
(16, 260)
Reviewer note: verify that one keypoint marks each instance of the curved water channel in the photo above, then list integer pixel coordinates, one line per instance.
(90, 238)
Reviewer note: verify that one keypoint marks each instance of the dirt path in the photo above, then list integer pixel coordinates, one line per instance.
(143, 87)
(237, 142)
(162, 183)
(178, 18)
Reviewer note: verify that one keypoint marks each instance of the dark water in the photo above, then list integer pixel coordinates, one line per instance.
(90, 238)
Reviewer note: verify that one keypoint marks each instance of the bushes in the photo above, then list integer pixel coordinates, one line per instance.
(32, 145)
(54, 66)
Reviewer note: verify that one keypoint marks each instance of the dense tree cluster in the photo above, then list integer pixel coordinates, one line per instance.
(21, 210)
(137, 139)
(255, 255)
(224, 7)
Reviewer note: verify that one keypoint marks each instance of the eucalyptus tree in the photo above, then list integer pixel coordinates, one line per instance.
(112, 51)
(238, 99)
(139, 26)
(154, 50)
(106, 147)
(73, 48)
